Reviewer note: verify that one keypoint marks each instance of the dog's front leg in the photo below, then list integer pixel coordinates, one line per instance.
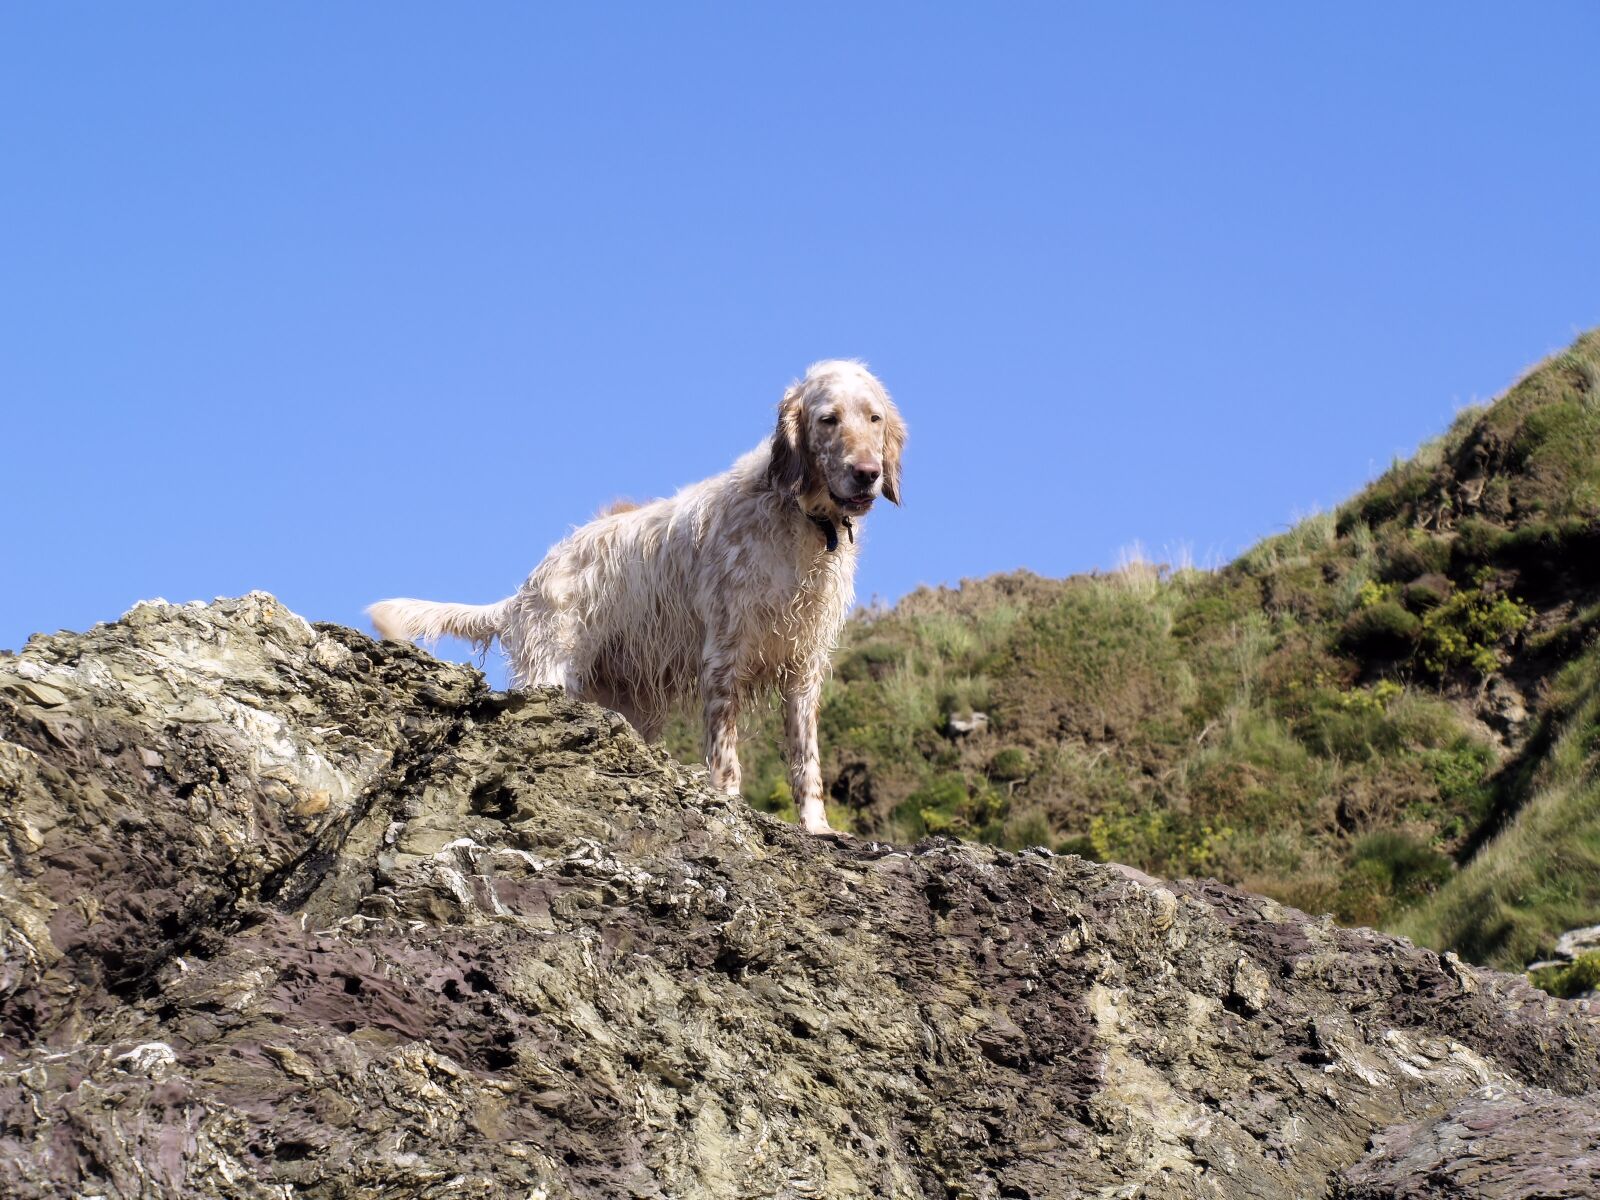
(800, 705)
(720, 692)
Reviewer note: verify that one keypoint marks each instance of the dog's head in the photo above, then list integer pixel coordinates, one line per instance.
(838, 442)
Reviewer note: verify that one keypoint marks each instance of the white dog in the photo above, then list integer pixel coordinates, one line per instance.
(734, 585)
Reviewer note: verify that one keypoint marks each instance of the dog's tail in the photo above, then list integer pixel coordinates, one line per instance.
(404, 620)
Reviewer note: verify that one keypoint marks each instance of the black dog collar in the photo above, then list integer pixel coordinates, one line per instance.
(830, 531)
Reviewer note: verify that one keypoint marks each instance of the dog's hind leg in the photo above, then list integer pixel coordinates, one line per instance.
(719, 694)
(539, 643)
(533, 666)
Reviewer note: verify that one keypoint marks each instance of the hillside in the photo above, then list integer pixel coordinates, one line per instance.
(1388, 713)
(286, 912)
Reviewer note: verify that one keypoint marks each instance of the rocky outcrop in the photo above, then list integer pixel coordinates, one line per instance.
(289, 913)
(1505, 1142)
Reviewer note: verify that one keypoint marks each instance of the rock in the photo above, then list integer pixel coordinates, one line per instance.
(1499, 1143)
(288, 912)
(959, 725)
(1133, 873)
(1503, 707)
(1251, 986)
(1576, 942)
(1427, 591)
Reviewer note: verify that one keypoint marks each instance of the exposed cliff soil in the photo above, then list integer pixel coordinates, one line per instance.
(288, 913)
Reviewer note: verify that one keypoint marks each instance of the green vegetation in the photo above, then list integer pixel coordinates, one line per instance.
(1389, 868)
(1573, 979)
(1390, 712)
(1467, 629)
(1540, 874)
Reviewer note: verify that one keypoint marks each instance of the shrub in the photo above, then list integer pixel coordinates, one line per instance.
(1256, 776)
(1156, 840)
(1466, 791)
(1466, 630)
(1294, 548)
(1571, 979)
(1382, 629)
(868, 661)
(1556, 447)
(1010, 764)
(1544, 544)
(1461, 774)
(1477, 542)
(1409, 868)
(983, 817)
(1388, 870)
(1363, 895)
(1408, 553)
(1426, 723)
(946, 804)
(1300, 591)
(932, 807)
(1351, 726)
(1088, 782)
(1228, 600)
(1397, 492)
(965, 694)
(1031, 828)
(944, 635)
(1095, 663)
(1427, 591)
(777, 799)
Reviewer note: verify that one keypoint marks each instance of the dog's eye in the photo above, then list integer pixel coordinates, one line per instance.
(830, 419)
(876, 418)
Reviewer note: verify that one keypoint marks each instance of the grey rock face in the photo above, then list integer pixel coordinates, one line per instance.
(1576, 942)
(1500, 1143)
(289, 913)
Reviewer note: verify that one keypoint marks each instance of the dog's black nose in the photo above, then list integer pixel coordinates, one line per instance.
(866, 474)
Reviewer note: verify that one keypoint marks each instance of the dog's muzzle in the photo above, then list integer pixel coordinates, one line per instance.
(854, 505)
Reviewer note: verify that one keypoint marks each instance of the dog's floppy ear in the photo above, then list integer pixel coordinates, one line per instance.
(789, 466)
(894, 441)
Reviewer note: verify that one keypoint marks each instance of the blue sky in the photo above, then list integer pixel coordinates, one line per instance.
(359, 300)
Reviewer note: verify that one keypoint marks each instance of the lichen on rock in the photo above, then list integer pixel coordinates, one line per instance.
(288, 912)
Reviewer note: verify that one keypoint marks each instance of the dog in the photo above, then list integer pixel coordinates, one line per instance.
(733, 586)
